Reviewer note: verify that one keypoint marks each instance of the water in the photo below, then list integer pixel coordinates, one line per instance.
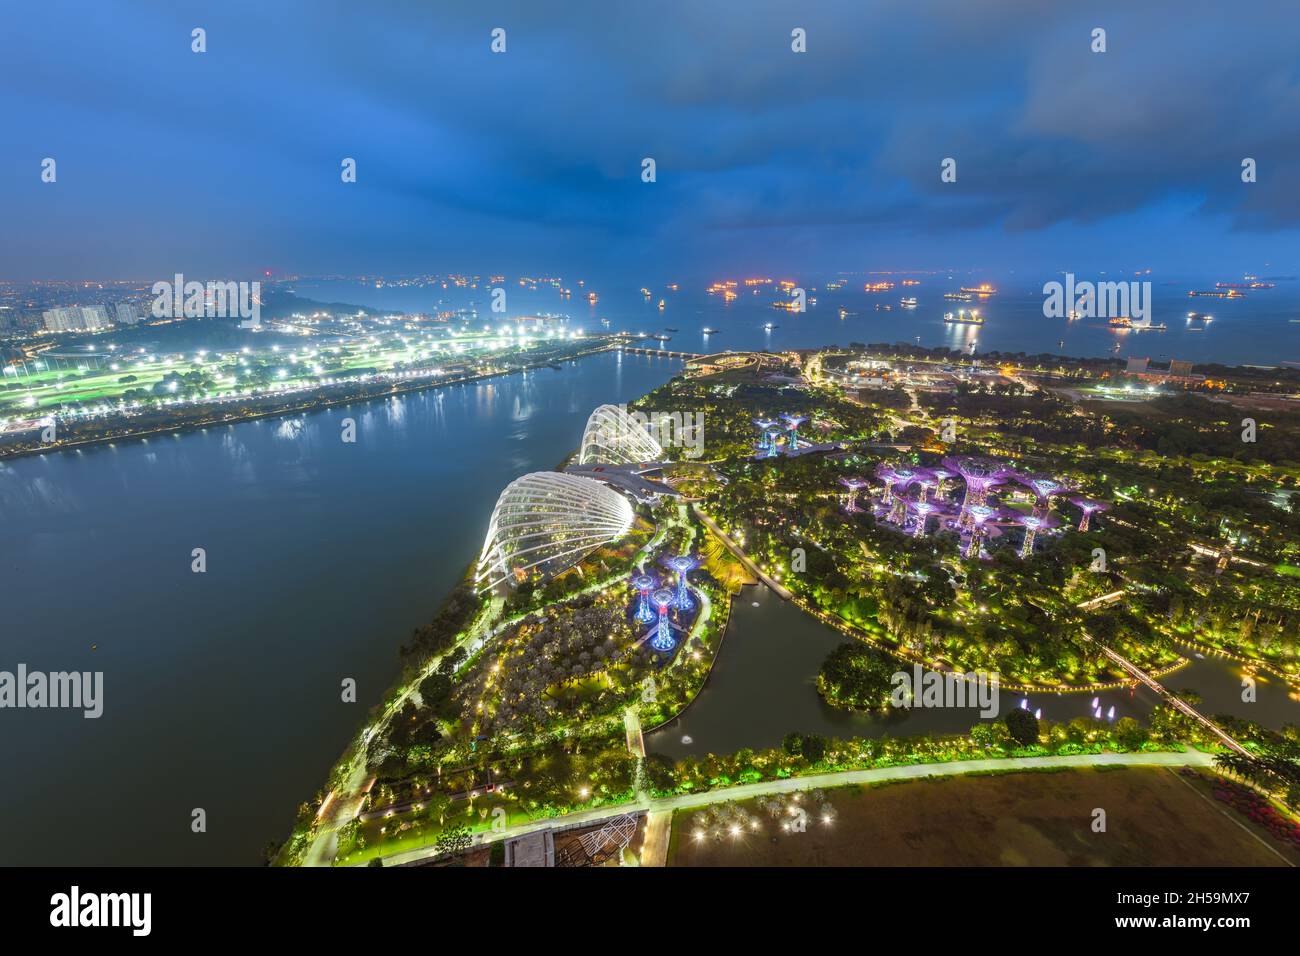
(222, 689)
(1253, 330)
(763, 687)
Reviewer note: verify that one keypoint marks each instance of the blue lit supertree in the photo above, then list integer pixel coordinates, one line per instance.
(663, 631)
(764, 426)
(773, 434)
(682, 564)
(645, 584)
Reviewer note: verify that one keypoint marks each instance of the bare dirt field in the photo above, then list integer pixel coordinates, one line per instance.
(1154, 817)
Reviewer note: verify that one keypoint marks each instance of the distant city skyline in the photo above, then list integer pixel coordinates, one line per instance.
(227, 162)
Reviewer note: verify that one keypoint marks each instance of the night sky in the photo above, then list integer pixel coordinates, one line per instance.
(227, 163)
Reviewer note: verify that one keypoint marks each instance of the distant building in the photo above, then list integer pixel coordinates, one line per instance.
(1137, 366)
(1180, 367)
(89, 318)
(127, 313)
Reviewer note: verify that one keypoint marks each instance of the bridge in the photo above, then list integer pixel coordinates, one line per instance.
(1160, 690)
(665, 353)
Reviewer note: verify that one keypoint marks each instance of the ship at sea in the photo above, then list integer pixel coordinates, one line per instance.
(908, 303)
(962, 317)
(708, 331)
(769, 326)
(958, 296)
(1219, 293)
(982, 289)
(1142, 325)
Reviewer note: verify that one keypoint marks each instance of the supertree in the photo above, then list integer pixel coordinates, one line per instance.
(663, 631)
(854, 485)
(765, 425)
(793, 422)
(979, 474)
(1088, 506)
(682, 564)
(885, 472)
(1044, 488)
(773, 434)
(922, 510)
(644, 584)
(979, 515)
(925, 480)
(942, 476)
(1034, 524)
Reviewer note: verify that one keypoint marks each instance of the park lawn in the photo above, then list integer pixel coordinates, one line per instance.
(1155, 817)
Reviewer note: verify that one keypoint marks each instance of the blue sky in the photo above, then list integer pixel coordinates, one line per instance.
(227, 163)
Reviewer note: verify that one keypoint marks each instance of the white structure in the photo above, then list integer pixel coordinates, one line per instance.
(90, 318)
(547, 521)
(613, 437)
(127, 314)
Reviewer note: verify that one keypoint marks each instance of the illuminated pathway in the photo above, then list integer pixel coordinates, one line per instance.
(741, 556)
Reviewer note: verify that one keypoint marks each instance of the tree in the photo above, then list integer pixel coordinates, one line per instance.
(814, 747)
(1023, 727)
(453, 841)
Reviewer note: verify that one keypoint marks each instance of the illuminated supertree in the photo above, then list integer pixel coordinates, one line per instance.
(980, 474)
(925, 480)
(922, 511)
(1034, 524)
(979, 515)
(854, 485)
(793, 422)
(1044, 488)
(663, 631)
(682, 564)
(942, 476)
(886, 474)
(773, 434)
(765, 425)
(645, 584)
(1088, 506)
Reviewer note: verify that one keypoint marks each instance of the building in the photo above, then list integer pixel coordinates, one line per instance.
(127, 313)
(89, 318)
(1180, 368)
(546, 522)
(613, 437)
(1137, 366)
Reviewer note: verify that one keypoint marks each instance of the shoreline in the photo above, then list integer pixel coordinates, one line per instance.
(314, 405)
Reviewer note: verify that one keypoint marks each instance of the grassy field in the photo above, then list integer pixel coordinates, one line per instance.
(1154, 817)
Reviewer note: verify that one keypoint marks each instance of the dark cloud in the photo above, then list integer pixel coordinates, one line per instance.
(468, 160)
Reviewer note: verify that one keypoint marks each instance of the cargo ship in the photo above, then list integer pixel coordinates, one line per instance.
(962, 317)
(1219, 293)
(982, 289)
(907, 303)
(958, 296)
